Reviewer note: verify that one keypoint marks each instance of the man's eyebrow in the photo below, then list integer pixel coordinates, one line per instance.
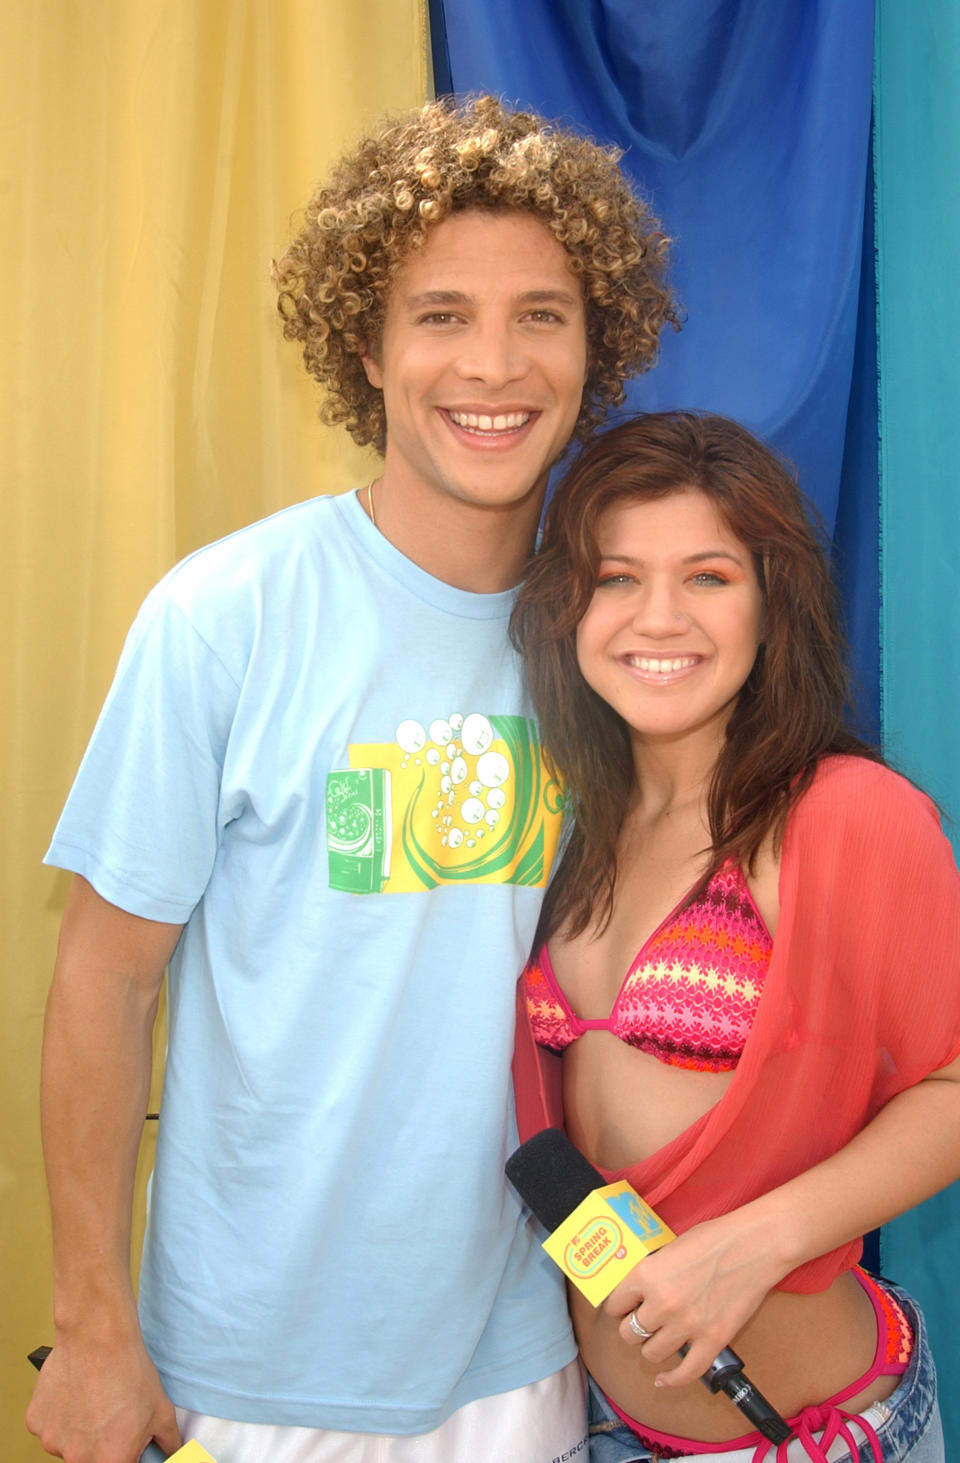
(460, 297)
(547, 297)
(437, 297)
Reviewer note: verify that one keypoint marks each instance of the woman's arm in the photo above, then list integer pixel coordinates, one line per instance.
(705, 1286)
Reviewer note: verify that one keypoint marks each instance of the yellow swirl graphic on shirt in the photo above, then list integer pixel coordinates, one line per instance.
(463, 799)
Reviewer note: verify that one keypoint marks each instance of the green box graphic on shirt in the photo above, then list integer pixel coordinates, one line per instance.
(359, 829)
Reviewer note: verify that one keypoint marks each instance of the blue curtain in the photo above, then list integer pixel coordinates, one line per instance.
(747, 126)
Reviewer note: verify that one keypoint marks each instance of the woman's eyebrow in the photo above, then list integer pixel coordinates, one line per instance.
(699, 558)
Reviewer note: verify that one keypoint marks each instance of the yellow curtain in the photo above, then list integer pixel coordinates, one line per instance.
(156, 153)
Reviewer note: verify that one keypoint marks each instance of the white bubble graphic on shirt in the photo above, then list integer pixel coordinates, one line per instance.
(411, 736)
(493, 769)
(468, 794)
(476, 734)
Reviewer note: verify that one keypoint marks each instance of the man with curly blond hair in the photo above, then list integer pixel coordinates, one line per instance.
(315, 790)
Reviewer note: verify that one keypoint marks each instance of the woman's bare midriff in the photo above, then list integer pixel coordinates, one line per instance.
(798, 1349)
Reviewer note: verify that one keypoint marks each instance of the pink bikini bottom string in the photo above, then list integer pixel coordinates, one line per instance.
(832, 1422)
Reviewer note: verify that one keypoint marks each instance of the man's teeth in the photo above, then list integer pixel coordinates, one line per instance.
(480, 422)
(661, 667)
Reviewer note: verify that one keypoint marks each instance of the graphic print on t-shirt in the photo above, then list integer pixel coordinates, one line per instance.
(465, 799)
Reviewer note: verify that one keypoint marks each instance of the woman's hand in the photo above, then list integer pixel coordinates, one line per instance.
(700, 1289)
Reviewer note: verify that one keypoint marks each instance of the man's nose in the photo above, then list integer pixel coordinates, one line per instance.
(492, 353)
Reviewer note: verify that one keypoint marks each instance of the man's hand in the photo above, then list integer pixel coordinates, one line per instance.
(101, 1403)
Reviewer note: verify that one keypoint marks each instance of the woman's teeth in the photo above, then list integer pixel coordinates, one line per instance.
(661, 667)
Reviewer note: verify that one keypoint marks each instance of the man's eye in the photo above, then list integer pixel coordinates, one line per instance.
(544, 317)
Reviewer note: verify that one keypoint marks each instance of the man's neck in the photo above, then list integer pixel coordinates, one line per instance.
(478, 548)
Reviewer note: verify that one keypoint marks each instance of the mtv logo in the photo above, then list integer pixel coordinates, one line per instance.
(638, 1217)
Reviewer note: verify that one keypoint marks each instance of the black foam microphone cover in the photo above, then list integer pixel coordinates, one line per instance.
(552, 1176)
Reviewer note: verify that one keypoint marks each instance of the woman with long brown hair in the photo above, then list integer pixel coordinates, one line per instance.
(745, 991)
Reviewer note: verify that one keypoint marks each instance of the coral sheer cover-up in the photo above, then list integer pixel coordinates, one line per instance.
(861, 1000)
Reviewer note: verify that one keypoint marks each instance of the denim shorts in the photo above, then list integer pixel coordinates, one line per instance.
(907, 1423)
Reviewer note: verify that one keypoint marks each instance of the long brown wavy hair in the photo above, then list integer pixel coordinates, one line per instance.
(789, 713)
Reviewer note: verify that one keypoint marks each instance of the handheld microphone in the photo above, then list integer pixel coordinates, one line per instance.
(599, 1232)
(191, 1452)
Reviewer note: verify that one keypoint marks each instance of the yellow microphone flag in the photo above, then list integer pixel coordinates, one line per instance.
(605, 1236)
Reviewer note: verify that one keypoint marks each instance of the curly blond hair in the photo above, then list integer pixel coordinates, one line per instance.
(383, 198)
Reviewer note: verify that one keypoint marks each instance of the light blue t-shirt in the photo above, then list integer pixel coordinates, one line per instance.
(318, 757)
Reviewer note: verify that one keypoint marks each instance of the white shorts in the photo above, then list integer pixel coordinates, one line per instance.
(545, 1422)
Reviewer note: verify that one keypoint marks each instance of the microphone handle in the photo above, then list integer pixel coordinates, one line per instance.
(725, 1374)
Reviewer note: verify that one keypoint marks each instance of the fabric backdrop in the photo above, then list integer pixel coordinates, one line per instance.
(918, 239)
(154, 153)
(747, 123)
(747, 126)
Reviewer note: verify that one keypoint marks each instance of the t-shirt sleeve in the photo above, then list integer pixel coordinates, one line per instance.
(143, 820)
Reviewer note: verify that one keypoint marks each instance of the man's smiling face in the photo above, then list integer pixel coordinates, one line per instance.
(481, 363)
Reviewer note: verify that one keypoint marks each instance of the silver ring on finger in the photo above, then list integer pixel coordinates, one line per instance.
(637, 1329)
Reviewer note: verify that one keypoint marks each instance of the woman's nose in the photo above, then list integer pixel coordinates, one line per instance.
(658, 611)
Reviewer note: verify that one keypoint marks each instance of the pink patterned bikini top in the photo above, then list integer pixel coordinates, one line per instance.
(691, 994)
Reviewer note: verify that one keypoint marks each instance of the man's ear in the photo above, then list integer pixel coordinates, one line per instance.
(372, 368)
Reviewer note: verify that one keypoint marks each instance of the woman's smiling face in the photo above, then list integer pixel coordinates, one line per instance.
(674, 625)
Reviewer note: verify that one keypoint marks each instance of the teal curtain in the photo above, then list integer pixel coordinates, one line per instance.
(918, 328)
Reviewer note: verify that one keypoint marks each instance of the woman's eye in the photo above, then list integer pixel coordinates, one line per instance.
(606, 580)
(707, 576)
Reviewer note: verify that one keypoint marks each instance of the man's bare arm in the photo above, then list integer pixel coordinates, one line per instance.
(99, 1396)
